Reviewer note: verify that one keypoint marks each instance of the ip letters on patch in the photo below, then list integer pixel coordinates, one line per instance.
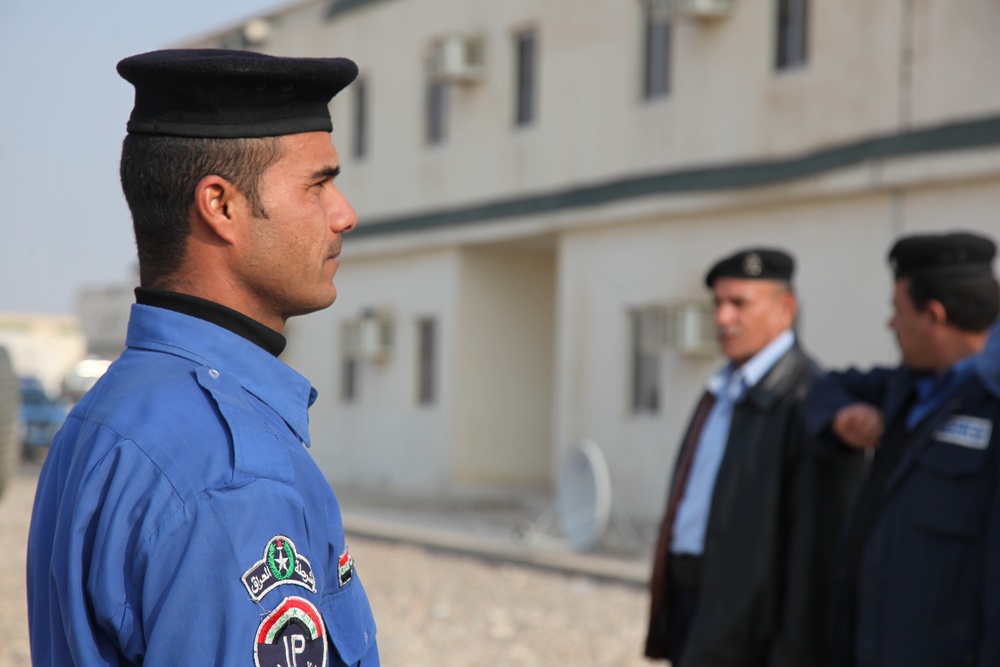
(971, 432)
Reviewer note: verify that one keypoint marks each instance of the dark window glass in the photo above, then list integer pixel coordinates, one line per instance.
(645, 367)
(426, 361)
(656, 68)
(526, 51)
(437, 101)
(792, 32)
(360, 118)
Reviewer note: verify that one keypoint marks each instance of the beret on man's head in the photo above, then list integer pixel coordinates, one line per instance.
(958, 254)
(754, 264)
(219, 93)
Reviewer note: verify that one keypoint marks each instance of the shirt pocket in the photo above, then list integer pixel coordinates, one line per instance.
(349, 623)
(952, 490)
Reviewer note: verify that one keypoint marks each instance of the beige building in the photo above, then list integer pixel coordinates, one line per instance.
(44, 347)
(542, 184)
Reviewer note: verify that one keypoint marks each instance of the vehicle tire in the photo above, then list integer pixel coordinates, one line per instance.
(10, 421)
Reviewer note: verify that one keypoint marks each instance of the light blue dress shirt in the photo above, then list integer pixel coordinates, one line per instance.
(729, 385)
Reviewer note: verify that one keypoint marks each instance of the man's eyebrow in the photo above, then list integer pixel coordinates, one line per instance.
(327, 172)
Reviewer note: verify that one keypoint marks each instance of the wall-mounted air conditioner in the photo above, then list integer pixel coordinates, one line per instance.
(457, 59)
(691, 9)
(694, 329)
(370, 336)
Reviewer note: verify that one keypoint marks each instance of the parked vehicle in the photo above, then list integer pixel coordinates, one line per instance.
(41, 417)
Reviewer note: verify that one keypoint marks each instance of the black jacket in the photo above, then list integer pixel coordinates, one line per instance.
(776, 511)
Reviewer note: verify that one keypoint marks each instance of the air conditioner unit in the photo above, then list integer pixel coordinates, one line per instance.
(694, 329)
(457, 59)
(670, 10)
(375, 334)
(369, 337)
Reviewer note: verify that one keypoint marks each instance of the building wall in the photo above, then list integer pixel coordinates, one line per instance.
(504, 367)
(873, 69)
(383, 439)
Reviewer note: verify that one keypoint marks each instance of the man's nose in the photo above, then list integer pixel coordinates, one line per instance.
(342, 215)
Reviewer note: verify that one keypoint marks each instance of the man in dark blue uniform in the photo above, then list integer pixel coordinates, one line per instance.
(917, 582)
(179, 519)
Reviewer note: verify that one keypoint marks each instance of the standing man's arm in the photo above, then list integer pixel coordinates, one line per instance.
(845, 408)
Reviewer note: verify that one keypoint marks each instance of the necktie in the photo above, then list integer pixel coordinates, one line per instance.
(658, 582)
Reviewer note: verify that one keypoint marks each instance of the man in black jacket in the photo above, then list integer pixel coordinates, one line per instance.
(740, 572)
(917, 577)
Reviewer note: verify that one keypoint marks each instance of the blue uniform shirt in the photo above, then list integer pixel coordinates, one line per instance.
(728, 385)
(179, 519)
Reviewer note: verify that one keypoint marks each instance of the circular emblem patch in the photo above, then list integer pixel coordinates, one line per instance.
(292, 635)
(281, 558)
(752, 264)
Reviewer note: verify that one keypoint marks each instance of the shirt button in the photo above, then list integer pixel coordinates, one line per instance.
(212, 373)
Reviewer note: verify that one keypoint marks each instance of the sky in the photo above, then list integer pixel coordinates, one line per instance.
(64, 225)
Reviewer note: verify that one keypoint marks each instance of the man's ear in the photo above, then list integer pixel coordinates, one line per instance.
(216, 202)
(935, 310)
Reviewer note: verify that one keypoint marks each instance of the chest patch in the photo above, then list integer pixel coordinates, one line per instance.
(281, 564)
(292, 635)
(345, 567)
(971, 432)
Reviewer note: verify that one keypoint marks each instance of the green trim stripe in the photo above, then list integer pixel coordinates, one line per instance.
(340, 6)
(955, 136)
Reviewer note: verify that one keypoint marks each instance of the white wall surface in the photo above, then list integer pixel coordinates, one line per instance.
(504, 367)
(384, 438)
(873, 68)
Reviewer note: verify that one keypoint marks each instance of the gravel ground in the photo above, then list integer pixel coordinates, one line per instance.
(432, 608)
(15, 513)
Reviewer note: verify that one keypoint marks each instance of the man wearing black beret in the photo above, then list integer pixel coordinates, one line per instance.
(740, 568)
(917, 577)
(179, 518)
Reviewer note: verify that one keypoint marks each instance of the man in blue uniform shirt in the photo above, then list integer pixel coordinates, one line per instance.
(741, 565)
(917, 578)
(179, 519)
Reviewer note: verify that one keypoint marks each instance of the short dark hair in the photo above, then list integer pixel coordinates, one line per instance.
(159, 175)
(971, 302)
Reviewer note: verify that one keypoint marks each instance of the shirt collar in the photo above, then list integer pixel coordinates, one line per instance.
(753, 371)
(216, 313)
(268, 378)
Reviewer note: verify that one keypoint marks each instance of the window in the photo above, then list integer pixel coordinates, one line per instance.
(360, 118)
(437, 101)
(426, 361)
(793, 38)
(349, 361)
(645, 363)
(525, 53)
(656, 52)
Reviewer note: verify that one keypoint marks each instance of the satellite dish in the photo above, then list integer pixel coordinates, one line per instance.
(583, 498)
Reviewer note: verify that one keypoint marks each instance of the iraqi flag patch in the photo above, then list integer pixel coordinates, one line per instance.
(293, 635)
(281, 564)
(345, 566)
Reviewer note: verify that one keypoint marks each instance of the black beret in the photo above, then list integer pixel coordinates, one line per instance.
(755, 264)
(227, 94)
(953, 255)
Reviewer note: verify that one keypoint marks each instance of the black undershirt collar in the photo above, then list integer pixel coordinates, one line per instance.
(217, 314)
